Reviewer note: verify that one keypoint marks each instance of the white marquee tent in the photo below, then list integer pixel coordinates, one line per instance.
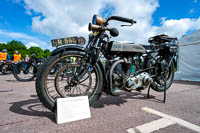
(189, 58)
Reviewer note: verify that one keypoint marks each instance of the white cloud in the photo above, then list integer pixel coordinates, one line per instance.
(3, 42)
(177, 27)
(15, 34)
(24, 38)
(62, 18)
(68, 18)
(31, 44)
(195, 1)
(139, 10)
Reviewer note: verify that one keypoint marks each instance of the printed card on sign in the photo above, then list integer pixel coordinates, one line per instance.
(72, 109)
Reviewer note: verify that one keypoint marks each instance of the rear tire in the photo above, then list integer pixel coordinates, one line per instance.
(48, 95)
(157, 86)
(19, 69)
(5, 70)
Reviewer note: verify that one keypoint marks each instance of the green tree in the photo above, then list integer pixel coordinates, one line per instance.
(17, 45)
(14, 45)
(36, 50)
(46, 53)
(2, 46)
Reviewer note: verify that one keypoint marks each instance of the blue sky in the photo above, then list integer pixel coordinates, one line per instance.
(32, 23)
(177, 9)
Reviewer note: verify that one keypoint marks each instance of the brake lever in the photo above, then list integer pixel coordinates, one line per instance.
(126, 25)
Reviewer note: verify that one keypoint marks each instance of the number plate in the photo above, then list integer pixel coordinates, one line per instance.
(62, 41)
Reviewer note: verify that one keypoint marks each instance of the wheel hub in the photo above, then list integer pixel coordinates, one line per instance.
(71, 82)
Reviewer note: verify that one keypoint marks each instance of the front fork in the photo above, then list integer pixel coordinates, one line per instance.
(92, 59)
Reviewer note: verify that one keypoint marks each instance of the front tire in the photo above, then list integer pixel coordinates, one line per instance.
(47, 83)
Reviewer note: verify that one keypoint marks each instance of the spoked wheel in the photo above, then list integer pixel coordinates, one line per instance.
(5, 69)
(68, 86)
(24, 71)
(55, 68)
(64, 83)
(166, 76)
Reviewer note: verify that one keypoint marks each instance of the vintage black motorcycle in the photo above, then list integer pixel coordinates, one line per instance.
(105, 66)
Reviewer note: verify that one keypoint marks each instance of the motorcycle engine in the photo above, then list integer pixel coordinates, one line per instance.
(141, 80)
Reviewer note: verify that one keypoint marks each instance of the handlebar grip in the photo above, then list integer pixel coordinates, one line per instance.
(122, 19)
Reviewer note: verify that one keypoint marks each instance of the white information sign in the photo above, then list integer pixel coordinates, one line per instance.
(72, 109)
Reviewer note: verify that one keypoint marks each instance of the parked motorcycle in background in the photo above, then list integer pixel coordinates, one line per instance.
(26, 70)
(6, 66)
(126, 67)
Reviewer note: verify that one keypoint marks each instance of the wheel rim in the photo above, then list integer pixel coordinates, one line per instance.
(168, 75)
(66, 86)
(25, 71)
(53, 86)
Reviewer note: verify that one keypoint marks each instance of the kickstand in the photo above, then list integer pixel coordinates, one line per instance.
(165, 86)
(165, 89)
(148, 91)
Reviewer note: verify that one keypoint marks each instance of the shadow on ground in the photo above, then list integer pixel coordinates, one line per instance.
(107, 100)
(187, 82)
(12, 81)
(118, 100)
(1, 74)
(6, 90)
(31, 107)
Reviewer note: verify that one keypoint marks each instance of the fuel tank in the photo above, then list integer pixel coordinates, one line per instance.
(127, 47)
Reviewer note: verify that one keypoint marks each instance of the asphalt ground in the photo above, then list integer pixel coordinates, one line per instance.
(22, 112)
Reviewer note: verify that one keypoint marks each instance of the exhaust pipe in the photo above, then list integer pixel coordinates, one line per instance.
(115, 91)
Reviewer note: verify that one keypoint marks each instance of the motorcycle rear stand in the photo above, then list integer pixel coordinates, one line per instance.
(165, 86)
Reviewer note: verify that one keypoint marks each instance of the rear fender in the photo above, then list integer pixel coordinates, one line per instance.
(175, 62)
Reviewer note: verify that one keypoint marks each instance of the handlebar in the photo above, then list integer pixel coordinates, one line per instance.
(122, 19)
(94, 27)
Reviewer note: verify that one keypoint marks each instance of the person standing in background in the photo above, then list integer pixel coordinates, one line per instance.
(27, 58)
(17, 56)
(4, 55)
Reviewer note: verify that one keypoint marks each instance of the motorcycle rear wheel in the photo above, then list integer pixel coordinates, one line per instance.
(24, 71)
(158, 84)
(48, 85)
(5, 70)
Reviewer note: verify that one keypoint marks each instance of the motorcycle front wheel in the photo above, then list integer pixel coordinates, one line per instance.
(50, 86)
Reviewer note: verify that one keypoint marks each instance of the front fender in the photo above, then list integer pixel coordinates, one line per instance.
(65, 48)
(79, 48)
(105, 87)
